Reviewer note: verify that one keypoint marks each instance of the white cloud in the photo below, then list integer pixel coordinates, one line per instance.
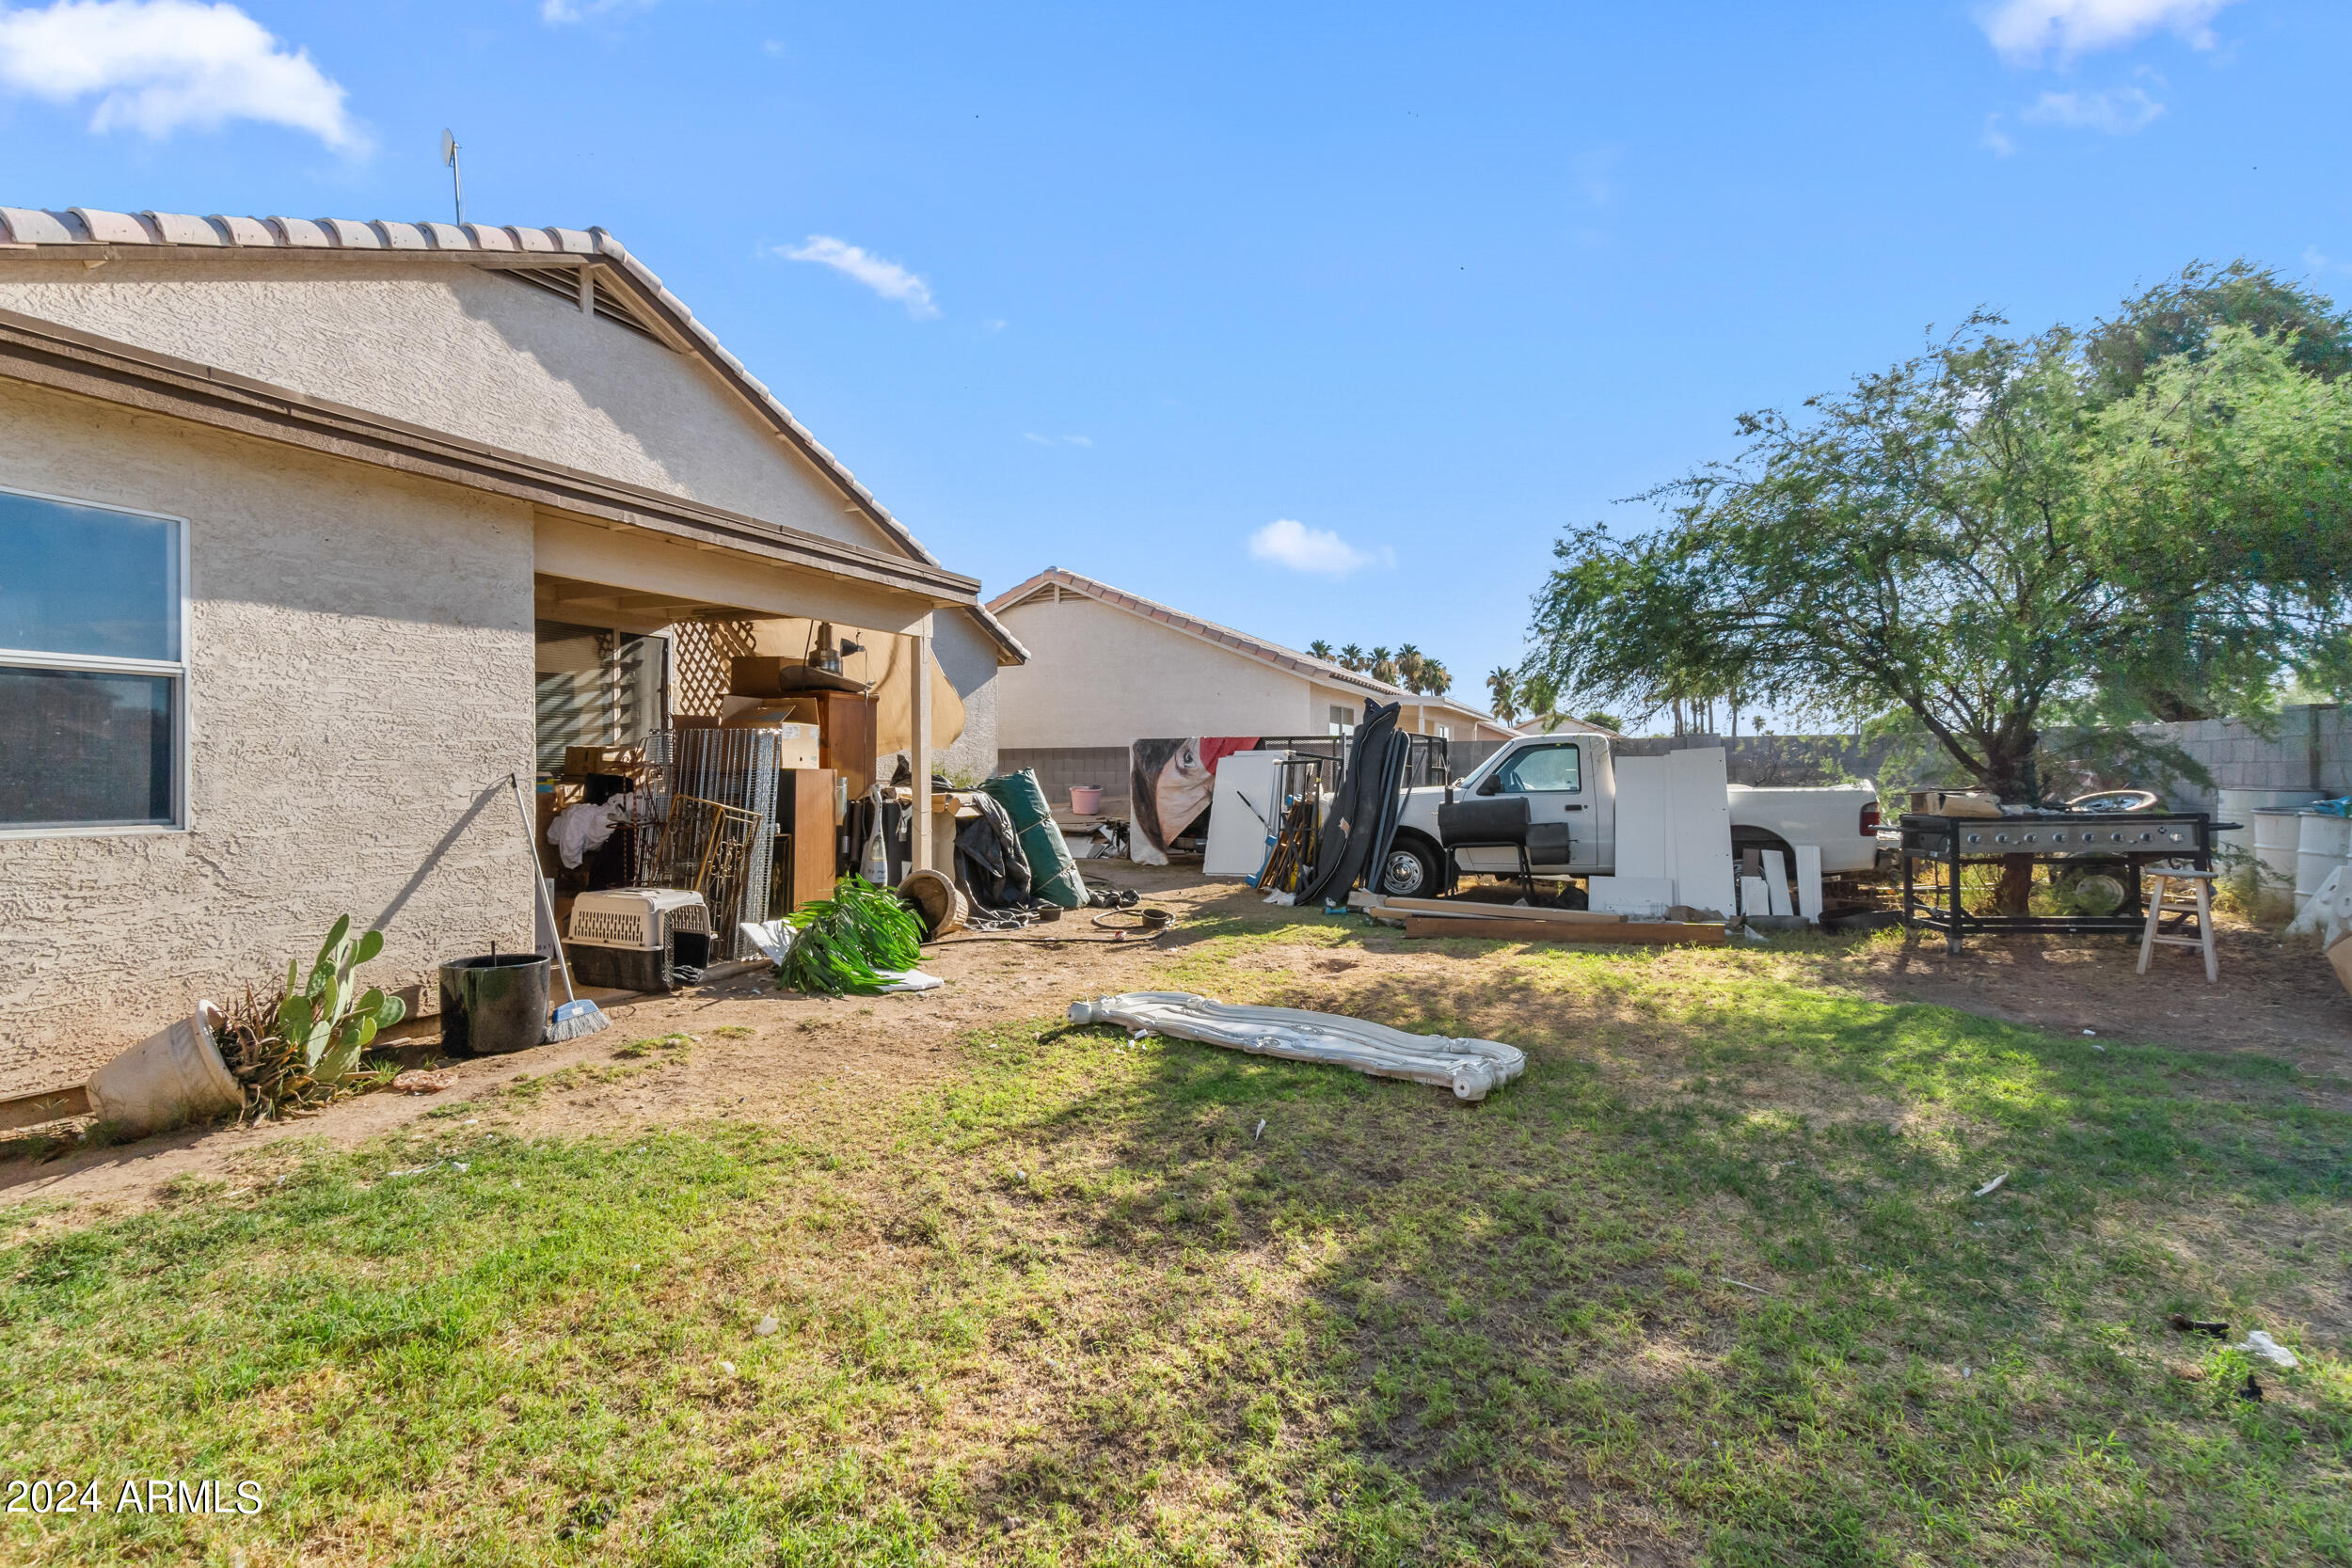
(2118, 111)
(2024, 30)
(1057, 440)
(158, 65)
(2319, 260)
(886, 278)
(1995, 139)
(1595, 175)
(557, 12)
(1287, 542)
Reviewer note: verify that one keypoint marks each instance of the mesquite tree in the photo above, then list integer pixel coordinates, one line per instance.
(1993, 539)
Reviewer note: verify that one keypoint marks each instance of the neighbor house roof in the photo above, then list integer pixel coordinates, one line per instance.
(544, 254)
(1240, 641)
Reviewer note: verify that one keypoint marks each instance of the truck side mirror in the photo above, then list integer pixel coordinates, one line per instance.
(1491, 785)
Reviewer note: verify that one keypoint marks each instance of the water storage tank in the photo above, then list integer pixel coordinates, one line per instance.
(2278, 833)
(2319, 848)
(2237, 848)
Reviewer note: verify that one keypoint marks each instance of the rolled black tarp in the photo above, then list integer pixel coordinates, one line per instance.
(1355, 806)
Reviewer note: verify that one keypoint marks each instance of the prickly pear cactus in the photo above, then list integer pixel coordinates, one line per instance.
(323, 1017)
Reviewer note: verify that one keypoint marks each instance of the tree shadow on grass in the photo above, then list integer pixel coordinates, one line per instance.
(1593, 1315)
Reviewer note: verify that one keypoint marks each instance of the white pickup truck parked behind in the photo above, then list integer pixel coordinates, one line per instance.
(1572, 779)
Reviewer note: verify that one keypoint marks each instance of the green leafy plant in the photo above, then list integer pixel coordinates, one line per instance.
(323, 1017)
(843, 944)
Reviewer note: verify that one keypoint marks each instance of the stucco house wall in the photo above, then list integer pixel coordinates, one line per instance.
(364, 595)
(1099, 676)
(967, 656)
(361, 686)
(459, 349)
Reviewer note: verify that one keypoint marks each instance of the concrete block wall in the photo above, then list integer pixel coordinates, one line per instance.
(1059, 766)
(2306, 746)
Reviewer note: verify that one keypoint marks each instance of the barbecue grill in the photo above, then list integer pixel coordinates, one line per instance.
(1938, 846)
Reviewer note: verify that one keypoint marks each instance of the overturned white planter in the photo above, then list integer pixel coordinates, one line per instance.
(172, 1077)
(1468, 1068)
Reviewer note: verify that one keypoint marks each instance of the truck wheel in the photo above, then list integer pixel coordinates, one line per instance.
(1412, 869)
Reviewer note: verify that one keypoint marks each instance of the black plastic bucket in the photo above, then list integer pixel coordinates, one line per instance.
(491, 1006)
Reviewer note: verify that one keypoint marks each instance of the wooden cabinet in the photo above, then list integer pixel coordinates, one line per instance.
(845, 738)
(806, 839)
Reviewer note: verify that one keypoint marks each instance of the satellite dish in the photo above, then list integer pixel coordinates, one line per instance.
(449, 148)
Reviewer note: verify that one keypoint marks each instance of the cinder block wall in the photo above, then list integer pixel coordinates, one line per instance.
(2305, 748)
(1059, 766)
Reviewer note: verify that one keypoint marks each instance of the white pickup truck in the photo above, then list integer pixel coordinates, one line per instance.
(1571, 779)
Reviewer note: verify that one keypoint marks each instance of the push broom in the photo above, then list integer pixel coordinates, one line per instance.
(575, 1017)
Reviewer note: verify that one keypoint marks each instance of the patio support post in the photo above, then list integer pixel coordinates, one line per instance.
(920, 746)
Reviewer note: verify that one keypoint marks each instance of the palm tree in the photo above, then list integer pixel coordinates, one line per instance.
(1503, 689)
(1383, 666)
(1351, 657)
(1409, 662)
(1320, 649)
(1436, 679)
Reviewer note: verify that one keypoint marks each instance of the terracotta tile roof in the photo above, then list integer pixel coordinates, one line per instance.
(1240, 641)
(87, 226)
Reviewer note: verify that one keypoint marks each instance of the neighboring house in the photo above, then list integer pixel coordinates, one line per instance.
(313, 532)
(1107, 668)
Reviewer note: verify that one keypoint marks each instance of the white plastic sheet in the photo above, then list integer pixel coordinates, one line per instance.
(1467, 1067)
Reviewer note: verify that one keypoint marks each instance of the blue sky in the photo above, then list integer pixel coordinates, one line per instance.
(1118, 291)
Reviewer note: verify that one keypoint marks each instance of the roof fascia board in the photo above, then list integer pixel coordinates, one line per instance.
(42, 353)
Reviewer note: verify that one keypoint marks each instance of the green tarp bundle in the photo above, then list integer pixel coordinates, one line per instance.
(1053, 875)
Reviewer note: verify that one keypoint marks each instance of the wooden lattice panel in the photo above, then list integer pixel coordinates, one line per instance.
(702, 654)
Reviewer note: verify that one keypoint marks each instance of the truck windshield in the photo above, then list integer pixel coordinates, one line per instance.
(1540, 770)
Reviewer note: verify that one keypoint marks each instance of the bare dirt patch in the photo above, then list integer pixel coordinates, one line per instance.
(750, 1048)
(2276, 995)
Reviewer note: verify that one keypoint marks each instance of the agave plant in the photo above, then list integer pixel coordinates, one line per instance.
(323, 1017)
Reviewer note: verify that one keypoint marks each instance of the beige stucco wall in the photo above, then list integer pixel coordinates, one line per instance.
(361, 649)
(1099, 676)
(967, 655)
(460, 349)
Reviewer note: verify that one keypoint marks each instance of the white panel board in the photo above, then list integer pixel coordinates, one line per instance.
(1640, 895)
(1775, 882)
(1238, 813)
(1809, 882)
(1699, 842)
(1644, 806)
(1755, 898)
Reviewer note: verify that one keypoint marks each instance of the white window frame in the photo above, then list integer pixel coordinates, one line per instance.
(176, 670)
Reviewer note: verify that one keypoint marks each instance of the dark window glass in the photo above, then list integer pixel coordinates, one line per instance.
(84, 750)
(1541, 770)
(80, 579)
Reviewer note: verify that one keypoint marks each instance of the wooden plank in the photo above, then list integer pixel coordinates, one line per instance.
(1462, 909)
(31, 1110)
(1639, 932)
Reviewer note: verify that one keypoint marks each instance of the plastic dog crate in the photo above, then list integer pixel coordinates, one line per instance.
(639, 938)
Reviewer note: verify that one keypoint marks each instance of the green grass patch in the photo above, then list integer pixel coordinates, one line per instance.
(1706, 1286)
